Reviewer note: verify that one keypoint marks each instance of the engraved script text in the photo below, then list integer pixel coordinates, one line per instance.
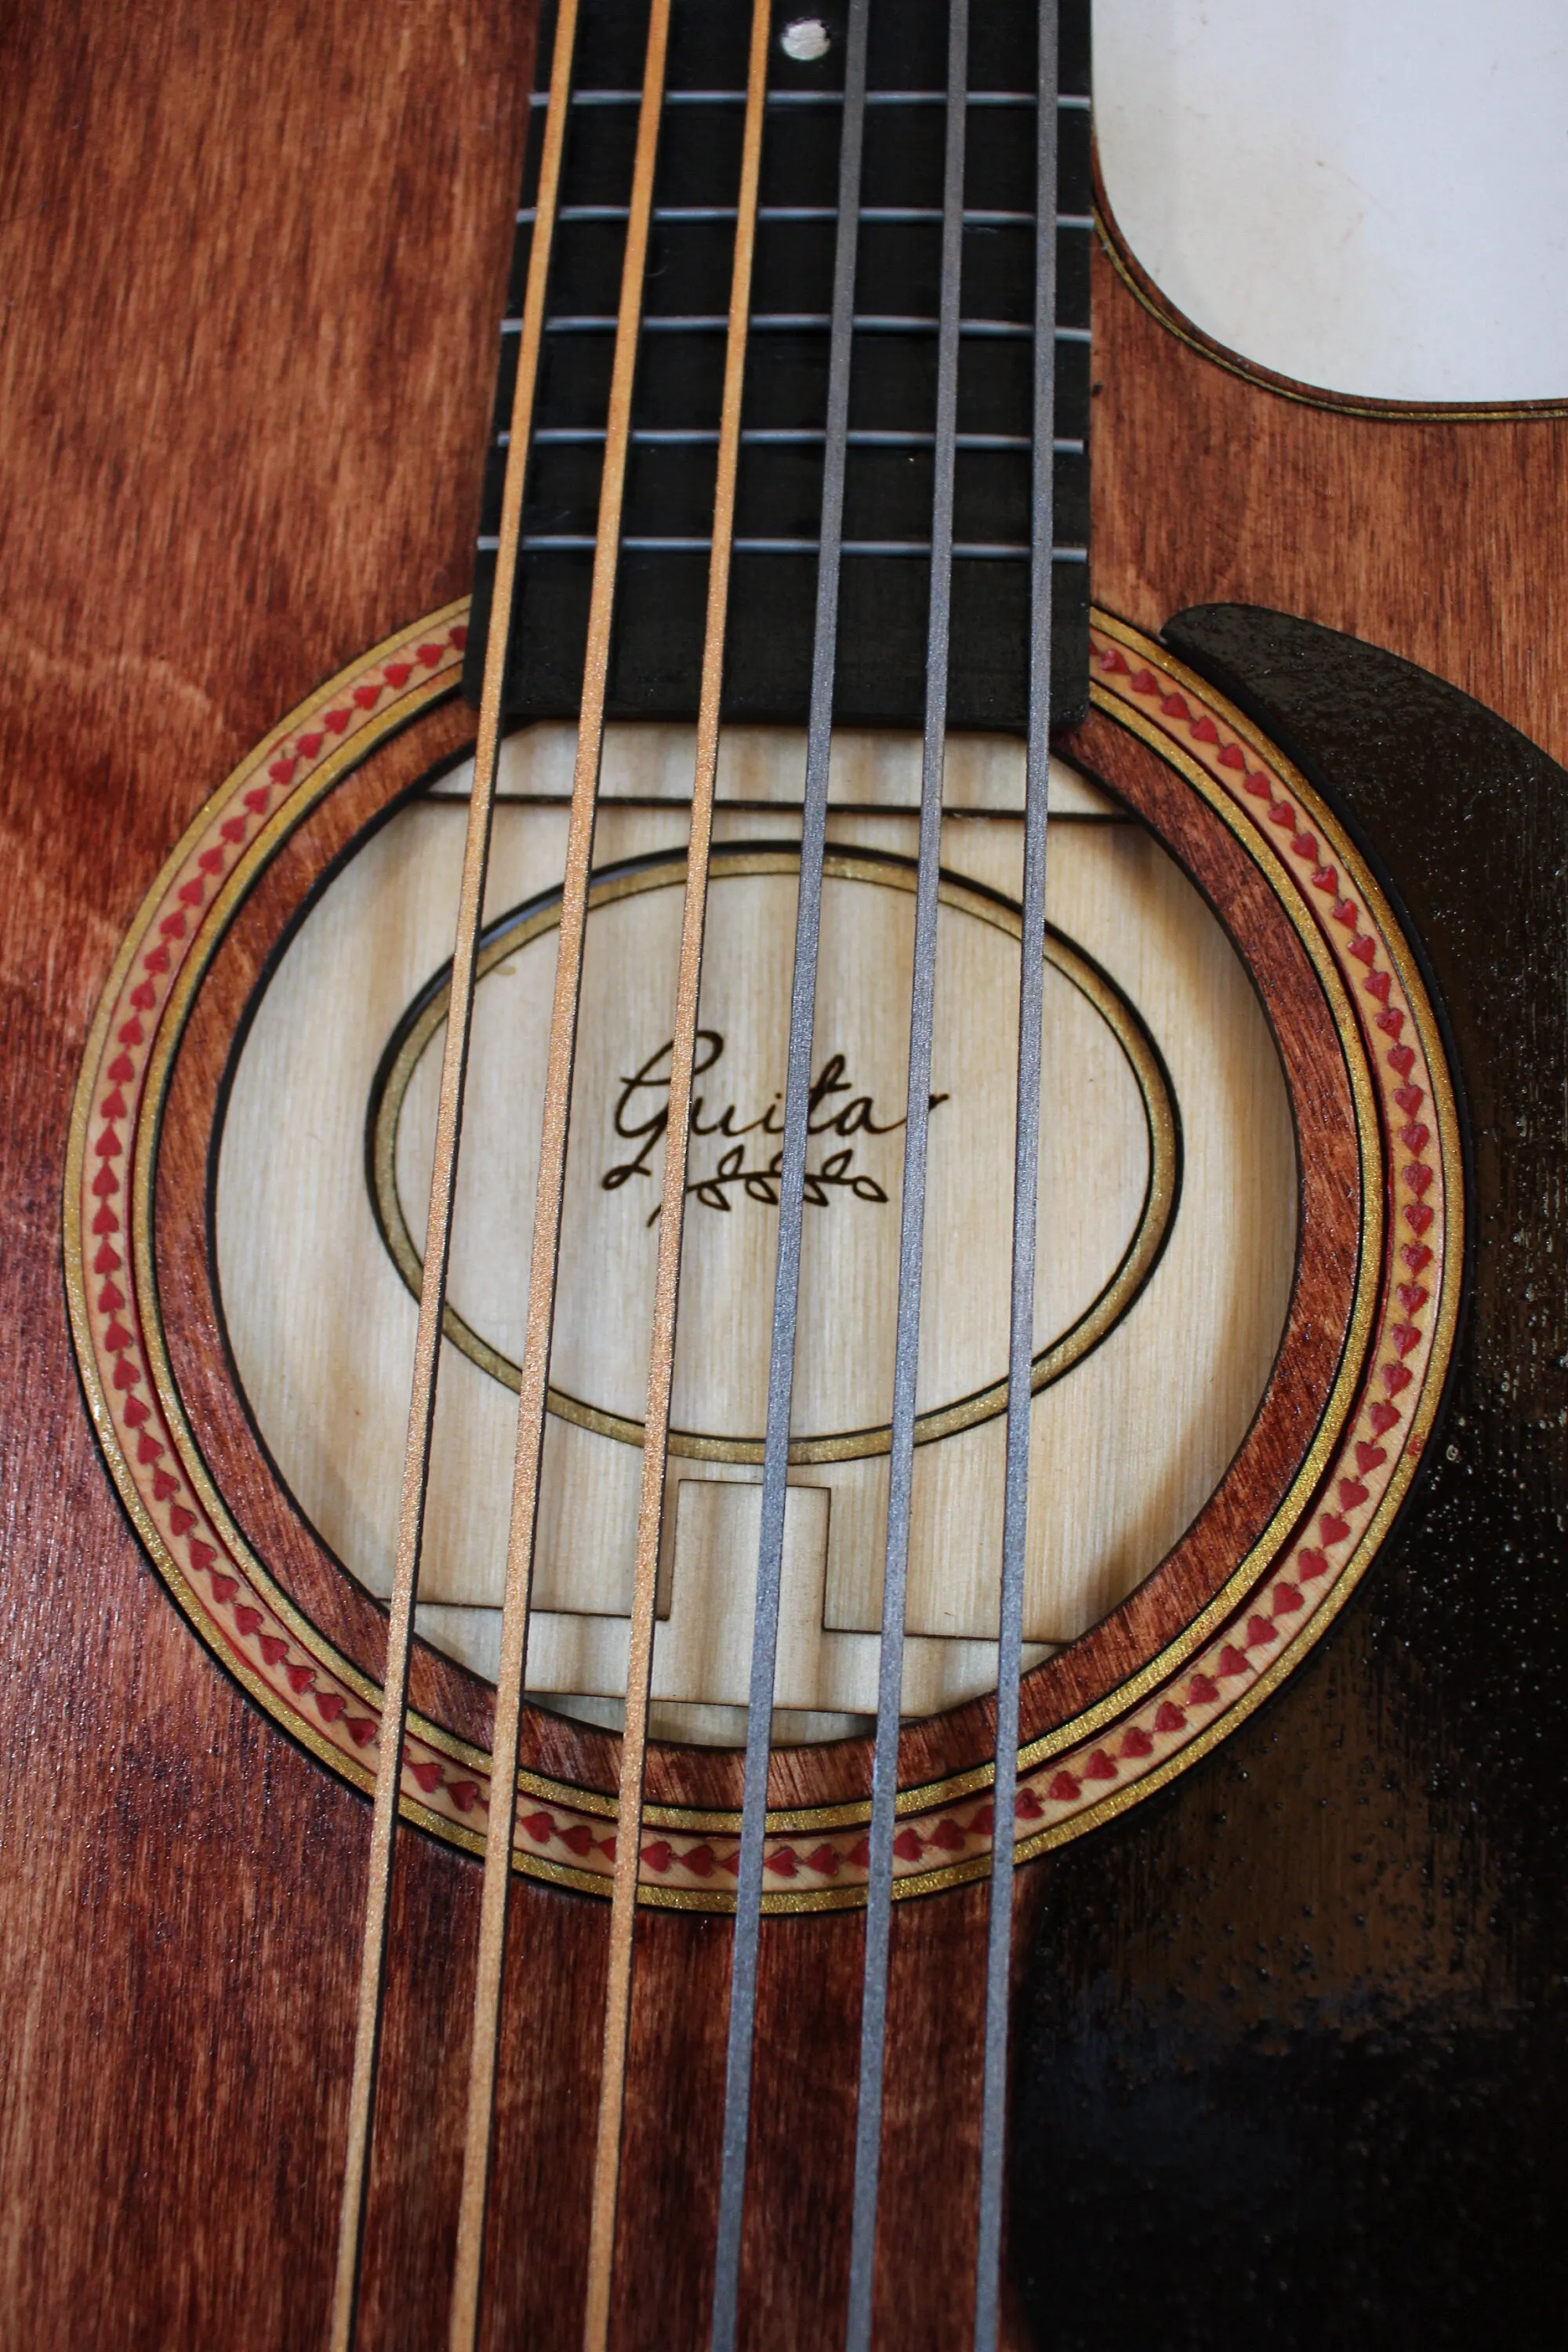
(758, 1181)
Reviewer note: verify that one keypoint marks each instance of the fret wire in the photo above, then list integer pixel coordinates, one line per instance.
(965, 550)
(781, 436)
(911, 1234)
(438, 1238)
(1026, 1206)
(666, 1282)
(899, 215)
(469, 2262)
(742, 2031)
(713, 322)
(1067, 101)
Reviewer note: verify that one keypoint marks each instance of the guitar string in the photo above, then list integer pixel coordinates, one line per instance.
(1026, 1208)
(670, 1251)
(791, 1196)
(438, 1227)
(912, 1235)
(667, 1284)
(535, 1368)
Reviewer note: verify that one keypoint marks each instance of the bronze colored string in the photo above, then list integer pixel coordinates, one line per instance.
(468, 2276)
(438, 1229)
(661, 1356)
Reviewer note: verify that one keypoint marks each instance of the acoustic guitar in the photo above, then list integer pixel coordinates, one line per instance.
(783, 1561)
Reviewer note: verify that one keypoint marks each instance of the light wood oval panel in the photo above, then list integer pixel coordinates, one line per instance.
(1167, 1234)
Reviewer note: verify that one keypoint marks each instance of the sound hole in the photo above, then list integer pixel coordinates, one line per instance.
(1167, 1228)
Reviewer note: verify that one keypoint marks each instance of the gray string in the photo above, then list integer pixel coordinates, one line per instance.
(1026, 1192)
(792, 1193)
(911, 1236)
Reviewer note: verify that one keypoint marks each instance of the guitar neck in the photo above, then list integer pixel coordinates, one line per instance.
(885, 577)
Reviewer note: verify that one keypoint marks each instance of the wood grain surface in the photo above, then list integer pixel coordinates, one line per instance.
(1431, 539)
(251, 263)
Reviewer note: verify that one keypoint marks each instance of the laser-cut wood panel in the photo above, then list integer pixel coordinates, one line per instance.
(1168, 1208)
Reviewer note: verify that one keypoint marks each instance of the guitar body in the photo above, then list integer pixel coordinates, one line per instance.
(1291, 2038)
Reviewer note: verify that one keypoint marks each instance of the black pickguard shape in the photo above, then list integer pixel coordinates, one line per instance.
(1294, 2053)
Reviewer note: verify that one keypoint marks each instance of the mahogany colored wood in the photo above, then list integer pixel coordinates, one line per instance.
(252, 262)
(1430, 538)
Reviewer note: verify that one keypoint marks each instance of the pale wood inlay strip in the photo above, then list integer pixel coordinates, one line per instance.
(438, 1227)
(469, 2271)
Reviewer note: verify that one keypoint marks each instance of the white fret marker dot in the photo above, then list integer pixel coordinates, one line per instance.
(805, 40)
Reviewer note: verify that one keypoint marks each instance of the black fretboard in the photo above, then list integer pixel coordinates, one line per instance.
(885, 573)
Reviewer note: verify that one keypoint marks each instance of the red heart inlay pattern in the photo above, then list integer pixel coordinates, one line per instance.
(1268, 1624)
(170, 928)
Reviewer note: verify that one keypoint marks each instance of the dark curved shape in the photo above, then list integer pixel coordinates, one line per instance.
(1294, 2049)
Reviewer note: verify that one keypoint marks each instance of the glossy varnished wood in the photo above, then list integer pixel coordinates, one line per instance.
(1432, 537)
(252, 264)
(251, 268)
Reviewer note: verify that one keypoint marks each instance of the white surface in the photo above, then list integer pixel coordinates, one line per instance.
(1369, 197)
(805, 40)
